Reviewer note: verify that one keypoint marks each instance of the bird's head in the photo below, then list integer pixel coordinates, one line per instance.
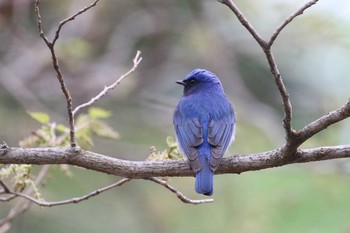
(199, 79)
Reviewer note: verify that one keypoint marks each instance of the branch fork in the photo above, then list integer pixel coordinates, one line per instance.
(59, 75)
(294, 138)
(149, 170)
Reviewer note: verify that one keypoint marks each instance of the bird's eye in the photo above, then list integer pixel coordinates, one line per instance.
(192, 82)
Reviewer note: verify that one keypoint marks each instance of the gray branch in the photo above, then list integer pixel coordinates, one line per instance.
(147, 169)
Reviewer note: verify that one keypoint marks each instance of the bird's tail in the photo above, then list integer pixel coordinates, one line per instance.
(204, 179)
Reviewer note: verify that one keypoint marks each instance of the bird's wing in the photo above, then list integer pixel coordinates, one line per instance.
(220, 136)
(189, 137)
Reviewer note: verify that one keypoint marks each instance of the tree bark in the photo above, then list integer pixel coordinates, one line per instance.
(147, 169)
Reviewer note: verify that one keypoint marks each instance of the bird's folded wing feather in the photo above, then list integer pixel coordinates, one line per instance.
(220, 133)
(189, 136)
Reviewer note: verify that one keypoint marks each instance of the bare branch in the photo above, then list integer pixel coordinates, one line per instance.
(59, 75)
(39, 22)
(5, 190)
(148, 169)
(289, 19)
(4, 186)
(272, 64)
(244, 21)
(287, 106)
(72, 200)
(6, 199)
(22, 205)
(291, 135)
(18, 209)
(71, 18)
(137, 59)
(323, 122)
(179, 195)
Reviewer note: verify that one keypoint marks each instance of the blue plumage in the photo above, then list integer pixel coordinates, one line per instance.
(204, 122)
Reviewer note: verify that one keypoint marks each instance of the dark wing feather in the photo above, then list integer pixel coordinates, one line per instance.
(220, 133)
(189, 137)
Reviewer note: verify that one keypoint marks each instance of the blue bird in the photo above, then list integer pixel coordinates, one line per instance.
(204, 123)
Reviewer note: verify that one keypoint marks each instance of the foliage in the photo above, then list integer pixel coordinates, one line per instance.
(51, 134)
(87, 125)
(314, 196)
(19, 175)
(171, 153)
(91, 124)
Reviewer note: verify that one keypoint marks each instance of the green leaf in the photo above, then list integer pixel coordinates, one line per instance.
(171, 141)
(62, 128)
(97, 113)
(101, 129)
(41, 117)
(85, 141)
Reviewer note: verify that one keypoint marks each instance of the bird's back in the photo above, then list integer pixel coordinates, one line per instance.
(204, 124)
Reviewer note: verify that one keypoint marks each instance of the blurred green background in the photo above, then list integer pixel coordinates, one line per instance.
(175, 37)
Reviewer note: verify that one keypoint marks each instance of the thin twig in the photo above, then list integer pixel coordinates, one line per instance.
(59, 75)
(6, 199)
(72, 200)
(182, 197)
(324, 121)
(289, 19)
(39, 23)
(71, 18)
(18, 209)
(292, 136)
(266, 47)
(4, 186)
(244, 21)
(137, 59)
(22, 205)
(287, 106)
(272, 64)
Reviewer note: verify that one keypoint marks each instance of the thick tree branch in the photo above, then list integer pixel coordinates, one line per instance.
(147, 169)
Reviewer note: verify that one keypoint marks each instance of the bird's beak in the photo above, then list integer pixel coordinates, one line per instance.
(180, 82)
